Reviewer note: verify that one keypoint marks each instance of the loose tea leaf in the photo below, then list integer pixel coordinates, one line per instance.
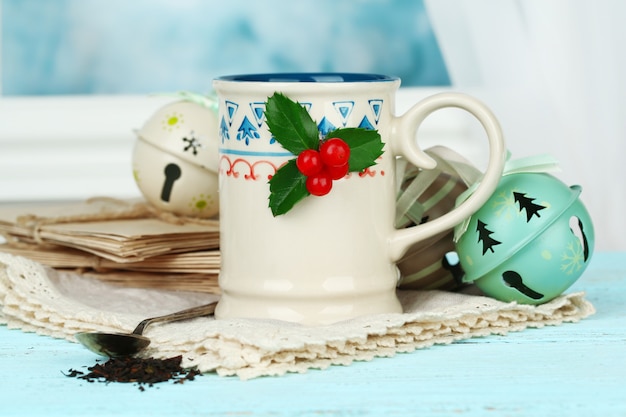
(142, 371)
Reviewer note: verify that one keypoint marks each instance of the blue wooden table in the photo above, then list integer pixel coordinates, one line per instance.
(569, 370)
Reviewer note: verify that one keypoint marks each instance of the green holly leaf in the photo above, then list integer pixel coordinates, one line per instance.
(292, 127)
(365, 146)
(287, 187)
(290, 124)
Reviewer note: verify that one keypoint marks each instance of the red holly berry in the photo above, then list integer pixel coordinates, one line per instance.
(335, 152)
(309, 162)
(337, 172)
(319, 184)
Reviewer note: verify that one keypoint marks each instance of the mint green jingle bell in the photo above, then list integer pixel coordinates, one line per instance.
(529, 242)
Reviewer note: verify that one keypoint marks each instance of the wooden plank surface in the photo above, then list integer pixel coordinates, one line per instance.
(573, 369)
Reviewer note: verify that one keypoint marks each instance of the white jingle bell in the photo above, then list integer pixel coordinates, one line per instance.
(175, 159)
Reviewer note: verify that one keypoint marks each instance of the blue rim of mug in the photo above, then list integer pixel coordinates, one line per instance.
(309, 77)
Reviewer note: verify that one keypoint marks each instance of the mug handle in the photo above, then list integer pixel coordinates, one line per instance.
(403, 143)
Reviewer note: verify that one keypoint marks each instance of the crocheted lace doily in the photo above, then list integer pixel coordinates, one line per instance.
(38, 299)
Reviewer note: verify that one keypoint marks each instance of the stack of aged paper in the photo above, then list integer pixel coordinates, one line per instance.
(128, 242)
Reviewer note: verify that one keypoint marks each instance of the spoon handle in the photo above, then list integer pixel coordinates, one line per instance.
(203, 310)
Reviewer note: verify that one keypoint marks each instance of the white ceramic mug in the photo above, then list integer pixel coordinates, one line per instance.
(330, 258)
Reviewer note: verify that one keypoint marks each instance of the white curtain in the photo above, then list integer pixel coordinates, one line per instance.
(554, 72)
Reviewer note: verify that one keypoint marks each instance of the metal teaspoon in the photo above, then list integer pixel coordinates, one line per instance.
(129, 344)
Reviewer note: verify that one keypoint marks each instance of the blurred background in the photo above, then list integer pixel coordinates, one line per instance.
(145, 46)
(77, 77)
